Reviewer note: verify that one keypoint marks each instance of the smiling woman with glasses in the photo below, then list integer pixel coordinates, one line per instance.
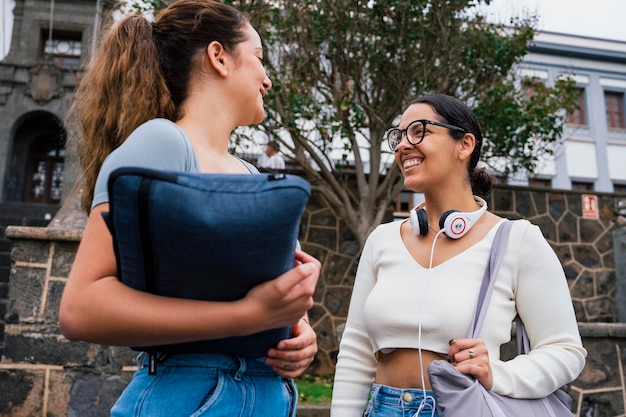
(415, 132)
(418, 281)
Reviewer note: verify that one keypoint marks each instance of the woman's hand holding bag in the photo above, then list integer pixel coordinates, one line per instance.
(460, 395)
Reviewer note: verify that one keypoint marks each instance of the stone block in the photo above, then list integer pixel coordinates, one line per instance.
(93, 396)
(568, 228)
(602, 404)
(323, 218)
(325, 237)
(540, 201)
(585, 285)
(25, 294)
(33, 251)
(503, 200)
(64, 253)
(59, 387)
(600, 309)
(564, 252)
(591, 231)
(314, 410)
(524, 204)
(326, 337)
(337, 301)
(575, 203)
(337, 270)
(51, 309)
(587, 256)
(32, 345)
(22, 393)
(316, 313)
(556, 206)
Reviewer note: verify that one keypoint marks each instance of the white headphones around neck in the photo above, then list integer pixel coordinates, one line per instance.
(454, 223)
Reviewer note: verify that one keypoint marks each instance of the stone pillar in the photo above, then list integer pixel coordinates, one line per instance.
(42, 374)
(619, 256)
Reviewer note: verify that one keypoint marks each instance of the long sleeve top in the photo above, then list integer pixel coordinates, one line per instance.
(390, 288)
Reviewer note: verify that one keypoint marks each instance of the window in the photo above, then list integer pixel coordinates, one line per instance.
(63, 48)
(44, 175)
(540, 183)
(619, 188)
(614, 102)
(579, 116)
(499, 179)
(404, 202)
(582, 185)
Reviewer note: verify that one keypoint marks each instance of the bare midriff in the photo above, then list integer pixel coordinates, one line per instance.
(401, 368)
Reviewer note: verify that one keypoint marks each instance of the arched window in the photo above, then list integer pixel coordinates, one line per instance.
(35, 166)
(44, 172)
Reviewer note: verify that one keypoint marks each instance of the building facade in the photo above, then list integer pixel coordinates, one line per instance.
(50, 41)
(592, 153)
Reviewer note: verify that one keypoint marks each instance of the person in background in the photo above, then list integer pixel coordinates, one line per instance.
(271, 159)
(166, 95)
(418, 280)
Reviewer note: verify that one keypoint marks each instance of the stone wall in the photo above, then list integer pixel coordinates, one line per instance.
(42, 374)
(584, 246)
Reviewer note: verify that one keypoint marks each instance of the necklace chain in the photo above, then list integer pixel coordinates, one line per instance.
(432, 228)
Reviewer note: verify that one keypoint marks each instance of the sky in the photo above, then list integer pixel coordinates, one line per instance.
(604, 19)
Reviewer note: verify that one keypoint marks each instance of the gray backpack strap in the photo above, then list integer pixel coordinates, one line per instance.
(498, 248)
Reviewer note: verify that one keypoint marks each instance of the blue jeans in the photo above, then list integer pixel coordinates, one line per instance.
(208, 385)
(386, 401)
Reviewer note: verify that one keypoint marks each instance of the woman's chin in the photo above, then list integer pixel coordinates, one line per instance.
(412, 184)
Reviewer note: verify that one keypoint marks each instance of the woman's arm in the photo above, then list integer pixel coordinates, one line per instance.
(96, 307)
(356, 364)
(544, 304)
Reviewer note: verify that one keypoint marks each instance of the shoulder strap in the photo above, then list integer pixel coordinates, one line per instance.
(498, 248)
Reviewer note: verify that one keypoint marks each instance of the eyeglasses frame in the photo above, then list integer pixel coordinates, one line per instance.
(424, 123)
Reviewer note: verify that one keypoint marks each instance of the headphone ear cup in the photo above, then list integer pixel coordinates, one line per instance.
(456, 224)
(419, 221)
(444, 216)
(453, 224)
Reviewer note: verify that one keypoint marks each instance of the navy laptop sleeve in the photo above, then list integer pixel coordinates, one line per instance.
(205, 237)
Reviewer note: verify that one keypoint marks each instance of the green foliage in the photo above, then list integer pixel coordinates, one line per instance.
(139, 6)
(314, 389)
(342, 72)
(520, 125)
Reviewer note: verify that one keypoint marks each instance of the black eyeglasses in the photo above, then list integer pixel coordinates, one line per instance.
(415, 132)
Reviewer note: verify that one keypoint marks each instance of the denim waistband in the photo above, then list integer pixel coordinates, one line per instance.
(226, 363)
(410, 397)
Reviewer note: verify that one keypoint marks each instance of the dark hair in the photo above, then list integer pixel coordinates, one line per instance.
(274, 144)
(455, 112)
(184, 29)
(142, 71)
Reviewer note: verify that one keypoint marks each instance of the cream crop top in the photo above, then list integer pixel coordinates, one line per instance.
(389, 290)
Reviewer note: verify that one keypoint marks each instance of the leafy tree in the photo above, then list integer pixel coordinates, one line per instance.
(343, 70)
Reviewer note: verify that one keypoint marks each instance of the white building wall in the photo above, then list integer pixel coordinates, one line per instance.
(6, 26)
(590, 153)
(617, 162)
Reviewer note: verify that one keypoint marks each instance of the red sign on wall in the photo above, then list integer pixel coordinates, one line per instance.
(590, 206)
